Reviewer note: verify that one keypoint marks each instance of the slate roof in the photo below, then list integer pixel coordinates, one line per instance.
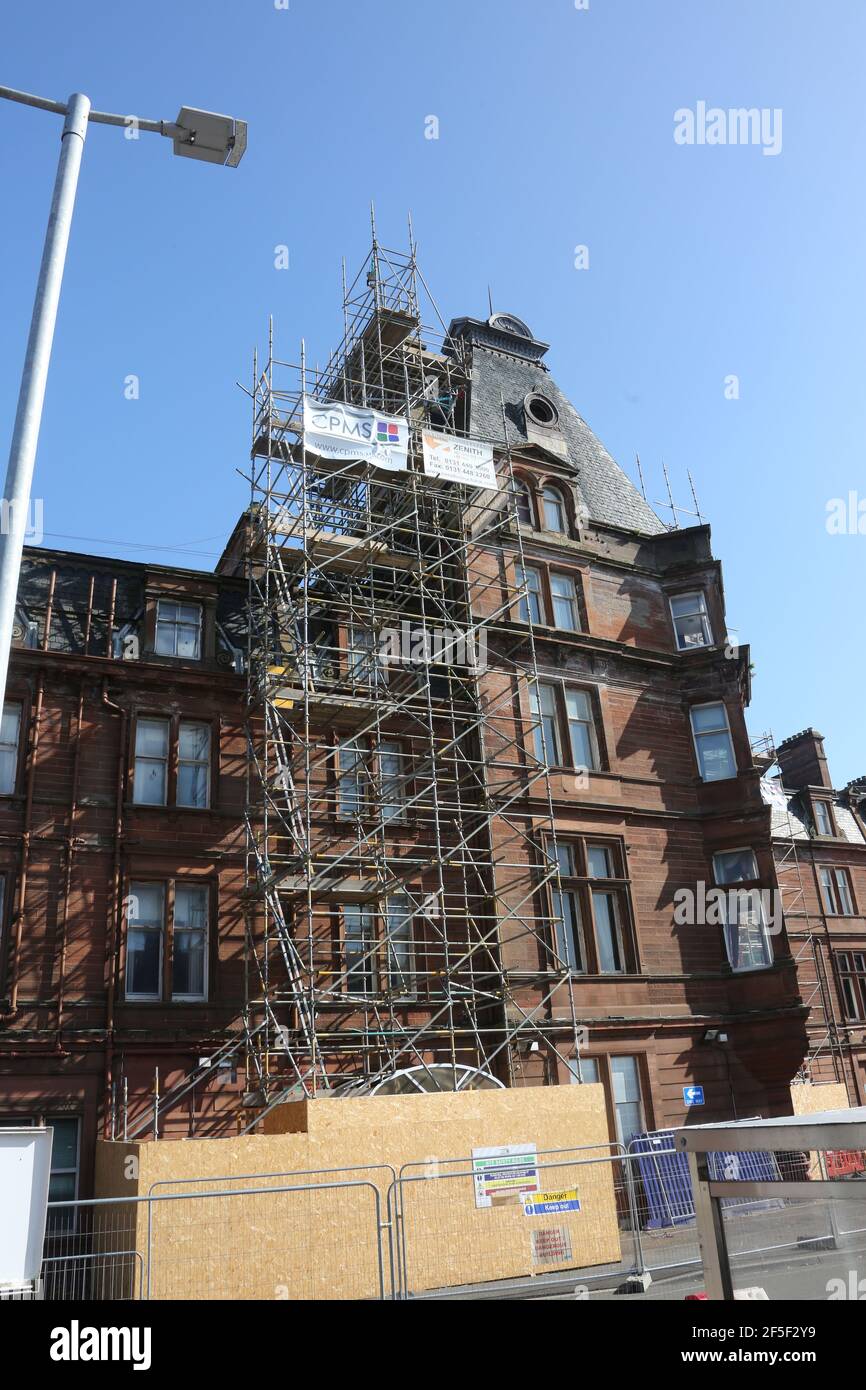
(788, 819)
(609, 495)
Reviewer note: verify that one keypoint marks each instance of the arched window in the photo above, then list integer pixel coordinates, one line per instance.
(554, 510)
(524, 502)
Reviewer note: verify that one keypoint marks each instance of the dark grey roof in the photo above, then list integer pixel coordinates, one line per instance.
(789, 821)
(609, 495)
(69, 605)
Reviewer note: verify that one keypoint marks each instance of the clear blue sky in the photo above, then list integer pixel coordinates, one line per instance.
(556, 129)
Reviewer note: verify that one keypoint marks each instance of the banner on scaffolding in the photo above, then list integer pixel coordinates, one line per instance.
(458, 460)
(344, 432)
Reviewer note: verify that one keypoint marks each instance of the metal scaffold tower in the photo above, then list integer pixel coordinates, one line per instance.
(402, 881)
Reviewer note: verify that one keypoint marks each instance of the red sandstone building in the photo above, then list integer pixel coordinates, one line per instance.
(602, 767)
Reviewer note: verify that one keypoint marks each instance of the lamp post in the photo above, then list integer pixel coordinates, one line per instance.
(195, 134)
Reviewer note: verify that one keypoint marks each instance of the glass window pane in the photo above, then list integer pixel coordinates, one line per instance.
(530, 603)
(8, 768)
(151, 782)
(579, 706)
(588, 1070)
(398, 920)
(358, 943)
(624, 1075)
(564, 602)
(143, 963)
(565, 859)
(194, 741)
(192, 785)
(708, 718)
(10, 730)
(846, 902)
(692, 632)
(606, 933)
(716, 757)
(567, 930)
(524, 504)
(61, 1188)
(827, 891)
(64, 1146)
(187, 642)
(734, 866)
(151, 738)
(554, 509)
(190, 906)
(683, 603)
(188, 964)
(600, 862)
(746, 940)
(627, 1098)
(146, 904)
(582, 751)
(390, 776)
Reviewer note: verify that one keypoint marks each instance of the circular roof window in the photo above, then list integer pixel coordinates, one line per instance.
(509, 323)
(540, 409)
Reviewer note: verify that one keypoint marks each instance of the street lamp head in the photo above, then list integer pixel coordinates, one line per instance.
(208, 136)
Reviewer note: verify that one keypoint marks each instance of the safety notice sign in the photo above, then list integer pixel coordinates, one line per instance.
(504, 1173)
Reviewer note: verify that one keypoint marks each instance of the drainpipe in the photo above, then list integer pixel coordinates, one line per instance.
(113, 907)
(25, 848)
(70, 853)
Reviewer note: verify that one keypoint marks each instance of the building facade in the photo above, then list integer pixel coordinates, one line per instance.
(230, 813)
(639, 712)
(819, 842)
(122, 859)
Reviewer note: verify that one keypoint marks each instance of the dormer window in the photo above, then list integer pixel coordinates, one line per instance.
(555, 515)
(691, 621)
(178, 629)
(823, 818)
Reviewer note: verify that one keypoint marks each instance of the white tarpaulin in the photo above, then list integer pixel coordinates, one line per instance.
(337, 431)
(458, 460)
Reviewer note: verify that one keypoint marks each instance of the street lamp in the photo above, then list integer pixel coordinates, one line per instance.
(195, 134)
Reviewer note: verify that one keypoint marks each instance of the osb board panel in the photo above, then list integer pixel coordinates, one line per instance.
(807, 1099)
(811, 1100)
(322, 1243)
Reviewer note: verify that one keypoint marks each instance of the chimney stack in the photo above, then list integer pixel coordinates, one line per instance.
(803, 762)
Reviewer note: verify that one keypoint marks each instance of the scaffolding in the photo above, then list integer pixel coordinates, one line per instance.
(403, 903)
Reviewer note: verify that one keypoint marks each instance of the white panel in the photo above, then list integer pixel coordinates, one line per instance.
(25, 1167)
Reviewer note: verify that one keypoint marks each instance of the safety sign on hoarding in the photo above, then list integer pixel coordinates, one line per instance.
(549, 1203)
(334, 430)
(458, 460)
(504, 1173)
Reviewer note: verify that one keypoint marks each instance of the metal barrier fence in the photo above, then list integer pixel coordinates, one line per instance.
(599, 1217)
(279, 1236)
